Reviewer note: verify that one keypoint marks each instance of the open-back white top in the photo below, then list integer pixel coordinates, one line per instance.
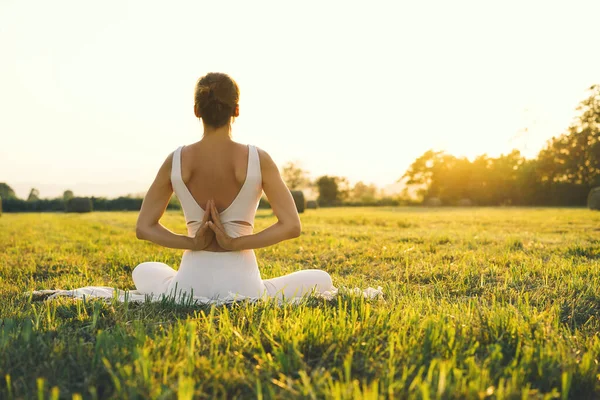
(242, 209)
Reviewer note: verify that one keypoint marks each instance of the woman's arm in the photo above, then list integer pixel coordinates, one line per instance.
(154, 204)
(288, 224)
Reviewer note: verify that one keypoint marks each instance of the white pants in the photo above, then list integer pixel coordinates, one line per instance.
(214, 275)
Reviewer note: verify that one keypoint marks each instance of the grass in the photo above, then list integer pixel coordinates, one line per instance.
(479, 303)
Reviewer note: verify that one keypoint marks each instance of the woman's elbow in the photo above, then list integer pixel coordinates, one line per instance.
(140, 232)
(295, 230)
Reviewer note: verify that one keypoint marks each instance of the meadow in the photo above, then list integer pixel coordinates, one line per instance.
(478, 303)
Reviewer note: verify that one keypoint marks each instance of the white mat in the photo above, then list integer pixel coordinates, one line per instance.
(107, 292)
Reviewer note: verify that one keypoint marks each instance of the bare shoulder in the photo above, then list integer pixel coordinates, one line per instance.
(165, 168)
(169, 160)
(266, 162)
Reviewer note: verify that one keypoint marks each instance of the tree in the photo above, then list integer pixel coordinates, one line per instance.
(294, 176)
(563, 173)
(333, 190)
(438, 174)
(67, 195)
(421, 172)
(364, 193)
(485, 181)
(343, 186)
(328, 190)
(34, 195)
(6, 192)
(574, 156)
(80, 205)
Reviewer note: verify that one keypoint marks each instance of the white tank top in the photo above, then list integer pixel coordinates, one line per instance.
(243, 208)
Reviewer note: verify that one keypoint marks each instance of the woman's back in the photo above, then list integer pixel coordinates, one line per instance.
(226, 172)
(214, 169)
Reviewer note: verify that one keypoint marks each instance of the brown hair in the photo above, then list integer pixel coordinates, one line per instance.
(216, 97)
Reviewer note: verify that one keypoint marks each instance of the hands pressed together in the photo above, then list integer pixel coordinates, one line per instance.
(211, 228)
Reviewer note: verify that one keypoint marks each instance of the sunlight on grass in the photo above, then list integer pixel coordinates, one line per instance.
(479, 303)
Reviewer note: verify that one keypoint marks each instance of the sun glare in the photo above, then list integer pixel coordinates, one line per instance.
(95, 97)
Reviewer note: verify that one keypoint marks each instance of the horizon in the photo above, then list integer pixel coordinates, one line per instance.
(48, 191)
(97, 96)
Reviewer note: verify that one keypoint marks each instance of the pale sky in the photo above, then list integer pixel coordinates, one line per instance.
(95, 95)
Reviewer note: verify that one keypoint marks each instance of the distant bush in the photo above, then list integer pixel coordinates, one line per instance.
(19, 205)
(382, 202)
(433, 202)
(127, 203)
(79, 205)
(98, 204)
(593, 200)
(122, 204)
(0, 206)
(264, 203)
(299, 199)
(464, 203)
(174, 203)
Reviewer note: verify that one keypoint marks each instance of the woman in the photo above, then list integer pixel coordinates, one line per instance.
(227, 178)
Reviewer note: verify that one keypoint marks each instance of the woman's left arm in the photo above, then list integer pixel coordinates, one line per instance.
(154, 205)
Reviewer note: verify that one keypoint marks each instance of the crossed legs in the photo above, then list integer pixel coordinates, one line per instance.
(298, 283)
(155, 277)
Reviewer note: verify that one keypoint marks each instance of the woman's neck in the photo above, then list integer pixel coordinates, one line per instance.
(223, 132)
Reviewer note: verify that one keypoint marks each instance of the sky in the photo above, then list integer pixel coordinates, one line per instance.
(95, 95)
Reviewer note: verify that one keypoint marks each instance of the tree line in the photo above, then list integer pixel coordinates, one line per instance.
(331, 191)
(70, 203)
(563, 174)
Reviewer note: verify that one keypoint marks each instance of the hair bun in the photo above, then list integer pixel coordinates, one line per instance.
(210, 93)
(203, 94)
(216, 94)
(220, 93)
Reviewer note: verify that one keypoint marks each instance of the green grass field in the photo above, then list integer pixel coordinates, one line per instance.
(478, 303)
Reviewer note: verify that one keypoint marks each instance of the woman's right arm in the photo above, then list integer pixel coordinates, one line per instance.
(148, 226)
(288, 224)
